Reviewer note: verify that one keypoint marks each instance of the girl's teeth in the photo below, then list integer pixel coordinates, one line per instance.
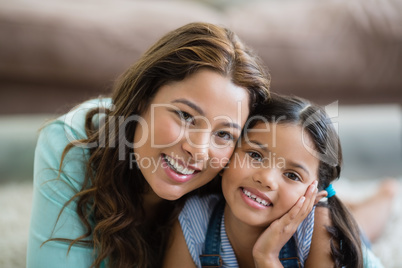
(179, 168)
(255, 198)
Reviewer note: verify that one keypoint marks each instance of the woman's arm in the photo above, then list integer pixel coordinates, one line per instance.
(51, 192)
(177, 254)
(320, 251)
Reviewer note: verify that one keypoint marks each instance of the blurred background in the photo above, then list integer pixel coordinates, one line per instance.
(56, 54)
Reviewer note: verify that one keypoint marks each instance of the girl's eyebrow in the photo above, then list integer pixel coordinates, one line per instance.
(264, 147)
(297, 165)
(258, 144)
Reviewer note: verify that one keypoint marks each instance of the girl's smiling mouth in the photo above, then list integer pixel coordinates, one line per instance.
(256, 197)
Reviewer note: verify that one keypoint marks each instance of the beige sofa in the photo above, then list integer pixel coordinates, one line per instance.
(54, 53)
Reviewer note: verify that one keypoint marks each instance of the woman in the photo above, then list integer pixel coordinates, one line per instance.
(108, 174)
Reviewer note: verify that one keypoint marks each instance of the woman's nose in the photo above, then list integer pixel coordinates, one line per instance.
(196, 144)
(267, 178)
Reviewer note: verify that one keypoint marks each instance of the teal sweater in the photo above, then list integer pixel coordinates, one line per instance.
(52, 191)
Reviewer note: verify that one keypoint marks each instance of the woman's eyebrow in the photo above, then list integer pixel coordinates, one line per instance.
(231, 125)
(201, 112)
(191, 105)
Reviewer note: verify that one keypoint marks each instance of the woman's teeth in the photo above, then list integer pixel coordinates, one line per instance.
(177, 167)
(255, 198)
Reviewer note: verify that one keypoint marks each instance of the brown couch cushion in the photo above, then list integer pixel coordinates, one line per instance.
(327, 50)
(63, 51)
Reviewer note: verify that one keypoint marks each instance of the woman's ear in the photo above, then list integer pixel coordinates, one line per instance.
(320, 195)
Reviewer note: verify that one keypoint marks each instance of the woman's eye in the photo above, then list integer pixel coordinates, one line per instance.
(186, 116)
(255, 155)
(225, 135)
(292, 176)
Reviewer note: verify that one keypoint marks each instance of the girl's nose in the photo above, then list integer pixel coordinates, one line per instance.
(267, 178)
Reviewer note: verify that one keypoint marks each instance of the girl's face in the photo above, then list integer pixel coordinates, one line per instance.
(189, 131)
(268, 173)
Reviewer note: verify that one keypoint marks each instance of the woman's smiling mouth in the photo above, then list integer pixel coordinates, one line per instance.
(173, 164)
(176, 171)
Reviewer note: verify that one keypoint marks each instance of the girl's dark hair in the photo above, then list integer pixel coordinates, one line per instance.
(112, 193)
(280, 109)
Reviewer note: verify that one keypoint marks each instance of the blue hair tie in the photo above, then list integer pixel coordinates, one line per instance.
(330, 190)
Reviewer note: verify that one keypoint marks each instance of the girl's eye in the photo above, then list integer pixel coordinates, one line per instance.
(225, 135)
(292, 176)
(186, 117)
(255, 155)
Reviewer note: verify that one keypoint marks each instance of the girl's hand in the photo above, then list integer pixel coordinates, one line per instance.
(269, 244)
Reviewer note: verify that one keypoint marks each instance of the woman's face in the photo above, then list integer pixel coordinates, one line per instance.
(188, 133)
(268, 173)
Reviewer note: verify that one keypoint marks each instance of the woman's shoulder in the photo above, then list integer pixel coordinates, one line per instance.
(56, 134)
(53, 140)
(72, 123)
(74, 120)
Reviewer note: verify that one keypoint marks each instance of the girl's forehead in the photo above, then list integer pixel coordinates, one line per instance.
(269, 134)
(262, 128)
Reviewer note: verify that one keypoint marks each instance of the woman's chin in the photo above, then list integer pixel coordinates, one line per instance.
(170, 194)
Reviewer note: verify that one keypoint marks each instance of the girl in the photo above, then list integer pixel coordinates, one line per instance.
(107, 174)
(289, 150)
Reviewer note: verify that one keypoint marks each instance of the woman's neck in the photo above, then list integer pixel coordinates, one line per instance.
(150, 204)
(242, 237)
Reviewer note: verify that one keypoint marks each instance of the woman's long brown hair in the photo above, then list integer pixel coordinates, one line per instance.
(110, 203)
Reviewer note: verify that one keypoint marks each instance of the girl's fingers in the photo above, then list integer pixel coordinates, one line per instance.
(302, 207)
(293, 214)
(310, 195)
(281, 230)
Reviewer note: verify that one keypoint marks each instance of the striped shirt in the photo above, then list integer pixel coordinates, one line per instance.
(194, 219)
